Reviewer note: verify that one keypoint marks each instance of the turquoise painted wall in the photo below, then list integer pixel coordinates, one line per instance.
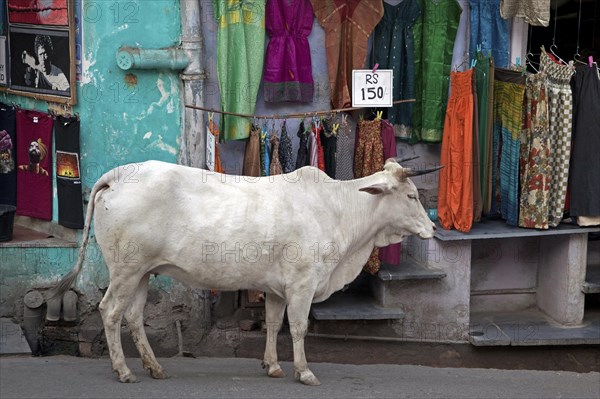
(125, 117)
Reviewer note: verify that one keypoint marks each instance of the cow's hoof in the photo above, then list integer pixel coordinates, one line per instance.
(307, 378)
(159, 374)
(128, 378)
(277, 373)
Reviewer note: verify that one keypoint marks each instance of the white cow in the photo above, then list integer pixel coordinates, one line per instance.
(299, 237)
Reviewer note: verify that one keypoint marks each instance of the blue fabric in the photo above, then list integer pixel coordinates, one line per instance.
(489, 31)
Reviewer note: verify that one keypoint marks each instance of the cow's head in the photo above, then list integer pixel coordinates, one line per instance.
(401, 202)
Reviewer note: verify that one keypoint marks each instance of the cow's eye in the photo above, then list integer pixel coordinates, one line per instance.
(412, 196)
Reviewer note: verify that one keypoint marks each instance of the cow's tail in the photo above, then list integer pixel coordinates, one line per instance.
(67, 281)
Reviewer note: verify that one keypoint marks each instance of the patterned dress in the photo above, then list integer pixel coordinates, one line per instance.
(560, 114)
(535, 156)
(534, 12)
(368, 160)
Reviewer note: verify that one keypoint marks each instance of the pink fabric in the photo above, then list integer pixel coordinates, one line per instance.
(34, 160)
(391, 253)
(288, 67)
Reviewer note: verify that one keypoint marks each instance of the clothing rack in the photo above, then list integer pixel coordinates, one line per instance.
(290, 116)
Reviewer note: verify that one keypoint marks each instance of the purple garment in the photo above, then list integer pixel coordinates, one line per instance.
(288, 68)
(391, 253)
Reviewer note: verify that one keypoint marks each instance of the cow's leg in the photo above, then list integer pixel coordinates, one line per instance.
(297, 310)
(274, 309)
(135, 320)
(116, 300)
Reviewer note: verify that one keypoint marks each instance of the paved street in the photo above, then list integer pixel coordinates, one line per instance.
(71, 377)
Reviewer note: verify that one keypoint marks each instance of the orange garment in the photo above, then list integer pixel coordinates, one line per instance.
(214, 129)
(455, 195)
(348, 25)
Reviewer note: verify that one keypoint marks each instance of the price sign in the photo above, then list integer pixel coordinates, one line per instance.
(372, 89)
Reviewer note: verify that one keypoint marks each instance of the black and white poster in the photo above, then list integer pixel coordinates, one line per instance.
(40, 61)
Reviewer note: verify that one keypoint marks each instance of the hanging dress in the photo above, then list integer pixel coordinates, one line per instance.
(329, 145)
(368, 160)
(560, 114)
(489, 31)
(214, 130)
(434, 34)
(288, 67)
(252, 154)
(345, 151)
(534, 12)
(240, 56)
(275, 168)
(455, 195)
(348, 25)
(285, 150)
(394, 49)
(585, 162)
(303, 158)
(535, 156)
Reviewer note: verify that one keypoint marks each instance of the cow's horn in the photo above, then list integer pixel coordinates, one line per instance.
(411, 173)
(400, 160)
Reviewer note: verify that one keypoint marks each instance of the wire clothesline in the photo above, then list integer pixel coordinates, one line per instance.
(289, 116)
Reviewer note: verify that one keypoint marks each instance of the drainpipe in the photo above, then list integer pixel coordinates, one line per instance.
(187, 58)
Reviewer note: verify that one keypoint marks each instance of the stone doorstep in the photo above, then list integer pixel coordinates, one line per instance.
(531, 327)
(408, 269)
(353, 306)
(12, 339)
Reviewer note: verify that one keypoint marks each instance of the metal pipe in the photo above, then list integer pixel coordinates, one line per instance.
(32, 319)
(193, 144)
(165, 58)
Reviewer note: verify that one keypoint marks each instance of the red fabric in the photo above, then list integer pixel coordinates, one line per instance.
(391, 253)
(320, 152)
(53, 12)
(34, 172)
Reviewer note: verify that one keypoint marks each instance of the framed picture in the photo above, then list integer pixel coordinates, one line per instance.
(38, 12)
(40, 59)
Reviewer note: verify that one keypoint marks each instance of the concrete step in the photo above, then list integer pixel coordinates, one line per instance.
(531, 327)
(408, 269)
(592, 281)
(353, 306)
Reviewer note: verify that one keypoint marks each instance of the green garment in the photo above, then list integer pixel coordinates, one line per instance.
(434, 34)
(240, 57)
(482, 79)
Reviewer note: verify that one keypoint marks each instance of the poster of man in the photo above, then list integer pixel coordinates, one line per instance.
(40, 61)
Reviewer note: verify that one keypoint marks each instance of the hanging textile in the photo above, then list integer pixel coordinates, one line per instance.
(535, 154)
(369, 159)
(313, 149)
(68, 172)
(345, 151)
(252, 154)
(477, 197)
(275, 168)
(288, 67)
(535, 12)
(264, 151)
(317, 129)
(584, 181)
(285, 150)
(8, 155)
(391, 253)
(489, 31)
(240, 56)
(303, 158)
(214, 130)
(394, 49)
(348, 25)
(329, 144)
(455, 194)
(489, 184)
(484, 114)
(560, 113)
(434, 34)
(34, 160)
(509, 93)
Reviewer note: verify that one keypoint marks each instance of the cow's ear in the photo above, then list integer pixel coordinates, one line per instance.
(375, 189)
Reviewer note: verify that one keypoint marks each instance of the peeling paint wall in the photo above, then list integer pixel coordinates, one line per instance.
(126, 116)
